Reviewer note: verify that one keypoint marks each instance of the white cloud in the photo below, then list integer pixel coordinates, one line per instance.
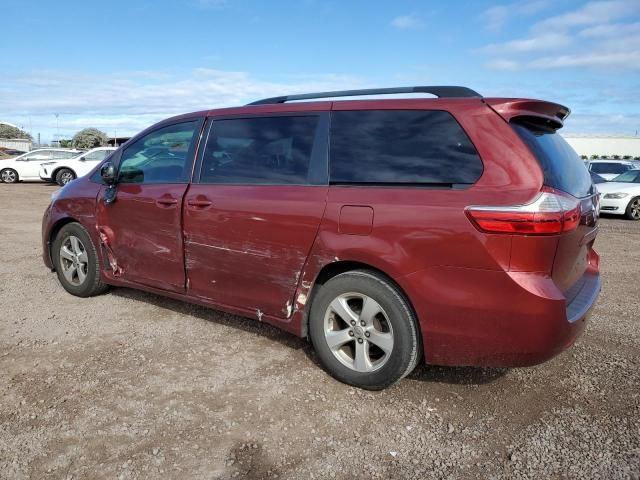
(548, 41)
(592, 13)
(494, 18)
(586, 37)
(406, 22)
(130, 101)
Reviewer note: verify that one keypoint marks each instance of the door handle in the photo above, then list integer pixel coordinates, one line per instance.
(199, 203)
(166, 202)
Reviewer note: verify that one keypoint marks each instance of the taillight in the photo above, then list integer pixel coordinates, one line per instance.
(551, 212)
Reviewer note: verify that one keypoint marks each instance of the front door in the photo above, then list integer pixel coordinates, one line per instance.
(252, 216)
(141, 231)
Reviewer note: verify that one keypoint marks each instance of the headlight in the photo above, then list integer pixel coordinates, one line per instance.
(616, 195)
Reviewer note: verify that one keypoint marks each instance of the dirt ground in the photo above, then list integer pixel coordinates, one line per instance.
(132, 385)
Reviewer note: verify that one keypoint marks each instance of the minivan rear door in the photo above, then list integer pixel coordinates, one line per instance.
(565, 171)
(253, 211)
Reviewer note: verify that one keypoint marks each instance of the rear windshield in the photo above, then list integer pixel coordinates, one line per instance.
(563, 169)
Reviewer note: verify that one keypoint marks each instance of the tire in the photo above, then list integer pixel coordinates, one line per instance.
(64, 176)
(79, 277)
(9, 175)
(355, 357)
(633, 209)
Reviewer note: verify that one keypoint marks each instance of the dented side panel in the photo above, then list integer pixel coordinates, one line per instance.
(140, 235)
(248, 247)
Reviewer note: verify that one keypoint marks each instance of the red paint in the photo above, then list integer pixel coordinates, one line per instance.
(481, 298)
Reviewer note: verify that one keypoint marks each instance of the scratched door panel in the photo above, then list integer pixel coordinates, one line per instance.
(140, 232)
(247, 248)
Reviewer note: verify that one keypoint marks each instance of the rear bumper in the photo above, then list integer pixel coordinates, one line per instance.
(498, 319)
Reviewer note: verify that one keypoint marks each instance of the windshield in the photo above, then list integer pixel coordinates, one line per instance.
(630, 176)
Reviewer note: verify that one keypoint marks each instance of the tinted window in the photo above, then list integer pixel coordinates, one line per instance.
(261, 150)
(604, 167)
(41, 155)
(401, 146)
(162, 156)
(562, 167)
(630, 176)
(62, 154)
(595, 178)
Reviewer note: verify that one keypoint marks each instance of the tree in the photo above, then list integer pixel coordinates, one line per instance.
(584, 157)
(594, 157)
(8, 131)
(66, 143)
(89, 138)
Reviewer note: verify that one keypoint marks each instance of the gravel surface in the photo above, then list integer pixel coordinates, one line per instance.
(132, 385)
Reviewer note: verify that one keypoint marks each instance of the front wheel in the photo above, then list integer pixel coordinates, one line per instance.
(364, 331)
(76, 261)
(9, 175)
(64, 176)
(633, 209)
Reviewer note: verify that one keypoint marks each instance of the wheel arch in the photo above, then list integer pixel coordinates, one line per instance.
(54, 174)
(333, 269)
(53, 233)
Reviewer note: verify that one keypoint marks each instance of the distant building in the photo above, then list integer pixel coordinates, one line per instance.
(15, 143)
(604, 145)
(117, 141)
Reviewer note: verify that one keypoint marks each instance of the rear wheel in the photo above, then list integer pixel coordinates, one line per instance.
(363, 330)
(9, 175)
(633, 209)
(64, 176)
(76, 261)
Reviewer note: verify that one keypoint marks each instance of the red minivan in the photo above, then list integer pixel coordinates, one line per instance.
(457, 230)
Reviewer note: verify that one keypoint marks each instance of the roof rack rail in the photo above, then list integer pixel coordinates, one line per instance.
(438, 91)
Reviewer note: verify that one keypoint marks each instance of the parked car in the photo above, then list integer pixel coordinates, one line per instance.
(621, 196)
(63, 171)
(387, 231)
(609, 169)
(27, 166)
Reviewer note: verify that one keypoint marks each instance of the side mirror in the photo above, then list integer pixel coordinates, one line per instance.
(82, 159)
(108, 173)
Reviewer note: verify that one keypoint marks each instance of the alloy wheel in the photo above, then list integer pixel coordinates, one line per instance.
(74, 260)
(358, 332)
(635, 209)
(9, 176)
(66, 177)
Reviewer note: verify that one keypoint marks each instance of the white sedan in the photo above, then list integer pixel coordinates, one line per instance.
(621, 196)
(62, 172)
(27, 165)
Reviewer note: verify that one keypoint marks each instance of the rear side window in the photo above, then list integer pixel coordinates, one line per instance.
(562, 167)
(401, 147)
(260, 151)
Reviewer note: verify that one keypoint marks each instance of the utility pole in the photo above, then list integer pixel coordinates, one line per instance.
(57, 129)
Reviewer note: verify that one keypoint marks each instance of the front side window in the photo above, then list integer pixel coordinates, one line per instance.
(162, 156)
(63, 155)
(96, 156)
(260, 151)
(40, 156)
(401, 147)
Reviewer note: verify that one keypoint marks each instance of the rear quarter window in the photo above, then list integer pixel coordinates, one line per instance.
(562, 167)
(411, 147)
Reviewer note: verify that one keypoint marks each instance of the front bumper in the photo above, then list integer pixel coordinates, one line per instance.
(613, 205)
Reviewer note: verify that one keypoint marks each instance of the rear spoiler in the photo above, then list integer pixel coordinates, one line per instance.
(548, 114)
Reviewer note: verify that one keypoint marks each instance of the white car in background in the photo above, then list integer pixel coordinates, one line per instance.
(610, 169)
(621, 196)
(27, 165)
(62, 172)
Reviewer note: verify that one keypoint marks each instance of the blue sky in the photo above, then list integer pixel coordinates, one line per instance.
(122, 65)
